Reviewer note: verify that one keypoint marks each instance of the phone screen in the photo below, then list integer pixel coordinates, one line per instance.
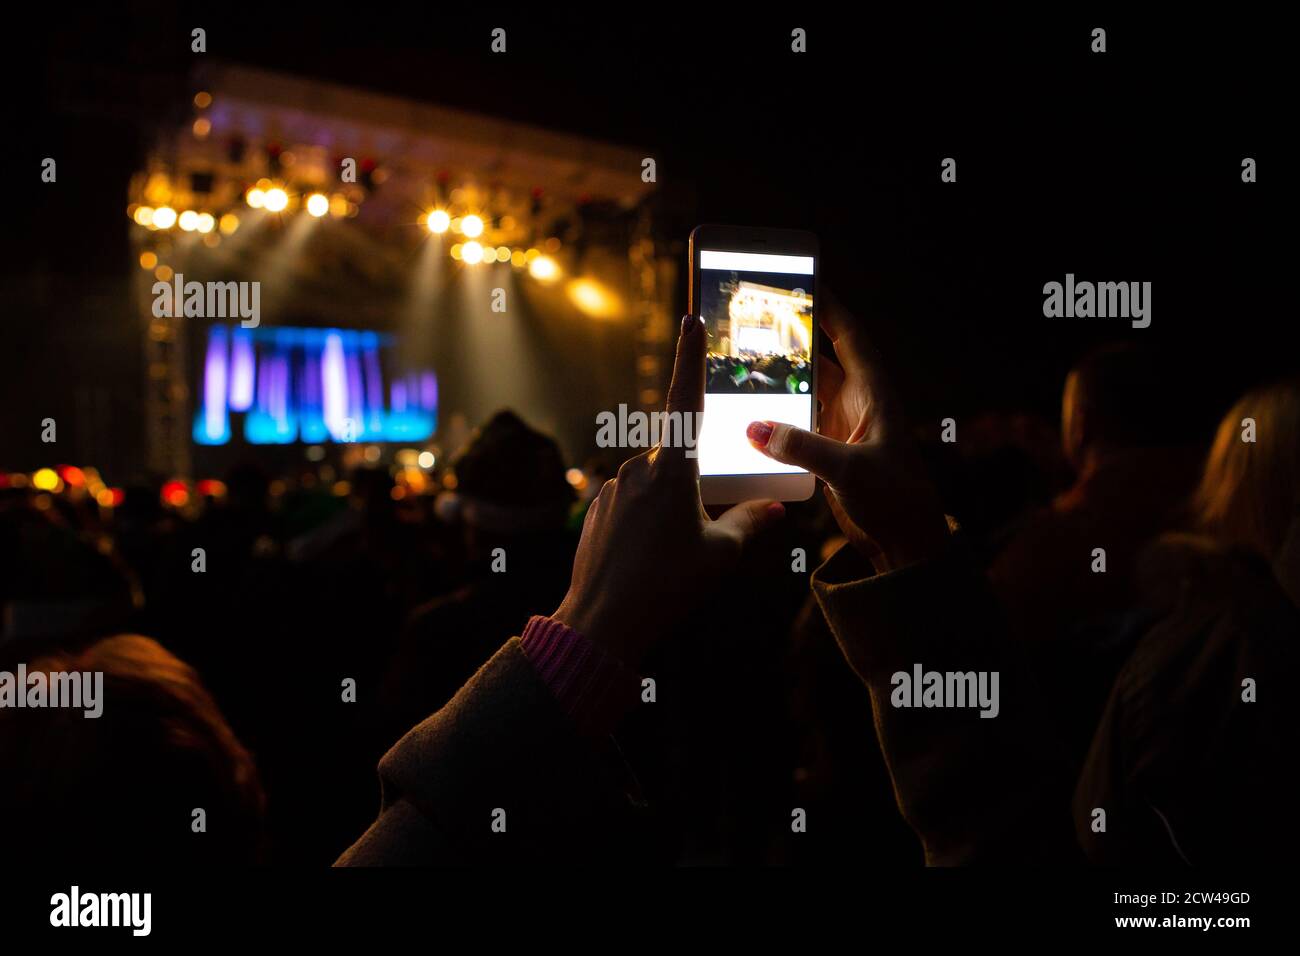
(758, 313)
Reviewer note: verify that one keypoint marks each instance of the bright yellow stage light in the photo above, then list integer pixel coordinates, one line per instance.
(229, 223)
(276, 200)
(543, 268)
(318, 204)
(472, 253)
(189, 220)
(46, 479)
(256, 198)
(472, 226)
(206, 222)
(143, 216)
(439, 221)
(593, 298)
(165, 217)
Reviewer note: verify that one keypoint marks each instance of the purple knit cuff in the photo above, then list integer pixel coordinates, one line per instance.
(591, 685)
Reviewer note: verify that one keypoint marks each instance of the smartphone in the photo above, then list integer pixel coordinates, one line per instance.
(756, 292)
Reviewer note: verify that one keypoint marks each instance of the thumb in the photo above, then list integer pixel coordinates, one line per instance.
(824, 457)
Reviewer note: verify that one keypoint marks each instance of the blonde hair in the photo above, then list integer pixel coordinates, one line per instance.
(1248, 493)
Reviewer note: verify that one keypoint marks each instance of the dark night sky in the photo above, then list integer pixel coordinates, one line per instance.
(1122, 166)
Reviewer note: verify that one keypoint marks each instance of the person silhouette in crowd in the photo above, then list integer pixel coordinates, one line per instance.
(1136, 460)
(511, 505)
(1191, 758)
(126, 785)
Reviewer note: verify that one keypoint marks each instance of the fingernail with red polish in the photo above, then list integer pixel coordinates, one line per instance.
(776, 510)
(759, 433)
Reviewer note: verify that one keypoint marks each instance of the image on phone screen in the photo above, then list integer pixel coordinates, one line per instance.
(757, 310)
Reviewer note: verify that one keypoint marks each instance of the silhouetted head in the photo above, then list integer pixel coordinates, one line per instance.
(510, 480)
(1248, 493)
(1117, 398)
(124, 786)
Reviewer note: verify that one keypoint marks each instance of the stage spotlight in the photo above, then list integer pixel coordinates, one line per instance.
(472, 226)
(46, 479)
(318, 204)
(144, 216)
(518, 259)
(593, 298)
(426, 459)
(164, 218)
(503, 253)
(276, 200)
(206, 222)
(203, 99)
(189, 220)
(472, 253)
(338, 206)
(229, 223)
(543, 268)
(456, 251)
(490, 254)
(256, 198)
(439, 221)
(148, 260)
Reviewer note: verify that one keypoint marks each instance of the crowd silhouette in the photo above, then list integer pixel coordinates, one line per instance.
(498, 630)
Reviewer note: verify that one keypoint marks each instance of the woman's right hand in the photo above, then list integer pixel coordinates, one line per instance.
(876, 484)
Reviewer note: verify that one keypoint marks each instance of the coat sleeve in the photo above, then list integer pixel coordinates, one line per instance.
(497, 775)
(975, 789)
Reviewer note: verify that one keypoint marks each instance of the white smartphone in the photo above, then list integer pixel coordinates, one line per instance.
(756, 292)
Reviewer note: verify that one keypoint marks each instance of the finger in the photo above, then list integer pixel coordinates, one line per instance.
(685, 396)
(747, 519)
(686, 393)
(824, 457)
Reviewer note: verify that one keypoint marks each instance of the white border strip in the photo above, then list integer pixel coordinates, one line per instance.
(755, 262)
